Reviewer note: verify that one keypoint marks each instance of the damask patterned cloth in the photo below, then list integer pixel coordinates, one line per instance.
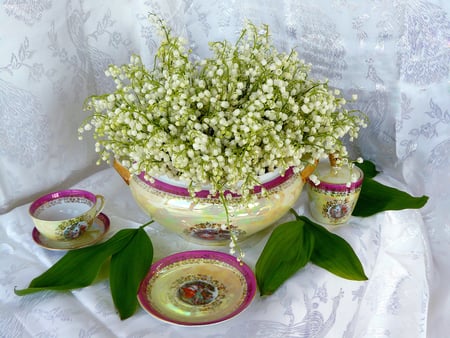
(394, 54)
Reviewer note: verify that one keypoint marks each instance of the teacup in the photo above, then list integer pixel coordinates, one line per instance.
(65, 214)
(333, 199)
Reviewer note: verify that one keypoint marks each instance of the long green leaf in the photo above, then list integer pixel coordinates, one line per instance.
(288, 249)
(376, 197)
(78, 268)
(128, 267)
(333, 253)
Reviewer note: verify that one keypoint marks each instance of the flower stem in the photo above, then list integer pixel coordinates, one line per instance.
(233, 244)
(294, 213)
(144, 225)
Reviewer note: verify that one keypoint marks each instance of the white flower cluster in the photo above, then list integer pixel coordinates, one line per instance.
(221, 121)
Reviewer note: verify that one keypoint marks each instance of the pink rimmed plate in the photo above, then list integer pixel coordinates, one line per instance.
(92, 235)
(199, 287)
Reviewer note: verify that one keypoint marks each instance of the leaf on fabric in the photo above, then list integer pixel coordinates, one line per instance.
(376, 197)
(288, 249)
(128, 267)
(369, 169)
(78, 268)
(333, 253)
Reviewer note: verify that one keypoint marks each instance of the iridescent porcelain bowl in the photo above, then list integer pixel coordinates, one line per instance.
(169, 203)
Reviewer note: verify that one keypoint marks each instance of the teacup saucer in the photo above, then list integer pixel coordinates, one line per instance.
(96, 231)
(197, 288)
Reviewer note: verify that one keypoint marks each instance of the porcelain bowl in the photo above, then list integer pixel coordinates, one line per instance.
(203, 221)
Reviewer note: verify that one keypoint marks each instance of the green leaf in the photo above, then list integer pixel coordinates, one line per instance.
(78, 268)
(333, 253)
(288, 249)
(368, 168)
(128, 268)
(376, 197)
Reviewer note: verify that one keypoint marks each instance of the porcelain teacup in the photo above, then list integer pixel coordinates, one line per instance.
(65, 214)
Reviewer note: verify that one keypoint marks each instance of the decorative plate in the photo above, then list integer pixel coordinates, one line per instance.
(92, 235)
(197, 288)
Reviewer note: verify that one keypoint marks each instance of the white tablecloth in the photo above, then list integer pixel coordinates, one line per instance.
(313, 303)
(395, 55)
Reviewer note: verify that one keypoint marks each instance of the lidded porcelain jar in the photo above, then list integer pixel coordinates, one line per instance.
(333, 195)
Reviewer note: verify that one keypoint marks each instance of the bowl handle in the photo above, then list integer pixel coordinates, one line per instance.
(309, 169)
(122, 171)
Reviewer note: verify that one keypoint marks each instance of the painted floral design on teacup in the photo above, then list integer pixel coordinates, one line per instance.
(73, 228)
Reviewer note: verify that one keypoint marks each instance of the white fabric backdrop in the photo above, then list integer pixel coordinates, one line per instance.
(394, 54)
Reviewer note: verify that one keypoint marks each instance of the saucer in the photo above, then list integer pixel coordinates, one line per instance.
(197, 288)
(93, 234)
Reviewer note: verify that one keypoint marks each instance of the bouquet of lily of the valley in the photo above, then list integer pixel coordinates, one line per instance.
(221, 121)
